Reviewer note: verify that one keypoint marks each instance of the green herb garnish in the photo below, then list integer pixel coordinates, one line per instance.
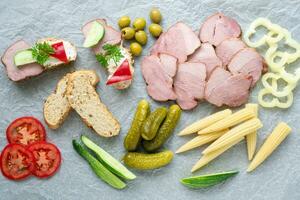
(111, 52)
(41, 52)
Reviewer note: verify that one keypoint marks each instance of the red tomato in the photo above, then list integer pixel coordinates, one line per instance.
(122, 73)
(16, 162)
(47, 159)
(25, 130)
(59, 52)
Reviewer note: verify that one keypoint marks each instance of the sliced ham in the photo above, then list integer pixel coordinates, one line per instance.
(14, 73)
(249, 62)
(189, 84)
(158, 77)
(179, 41)
(217, 28)
(206, 54)
(223, 88)
(228, 48)
(111, 35)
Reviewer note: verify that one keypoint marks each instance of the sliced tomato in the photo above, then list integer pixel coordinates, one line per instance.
(25, 131)
(122, 73)
(60, 52)
(47, 159)
(16, 162)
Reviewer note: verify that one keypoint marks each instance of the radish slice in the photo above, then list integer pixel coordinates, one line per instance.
(122, 73)
(59, 52)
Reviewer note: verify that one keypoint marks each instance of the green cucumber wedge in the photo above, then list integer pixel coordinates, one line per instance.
(207, 180)
(107, 160)
(24, 57)
(101, 171)
(95, 34)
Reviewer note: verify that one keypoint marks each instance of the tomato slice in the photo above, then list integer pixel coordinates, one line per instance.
(16, 162)
(47, 159)
(122, 73)
(59, 52)
(25, 131)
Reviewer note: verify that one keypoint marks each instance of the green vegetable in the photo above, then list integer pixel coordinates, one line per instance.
(95, 34)
(139, 24)
(155, 30)
(136, 49)
(110, 162)
(133, 136)
(207, 180)
(128, 33)
(112, 52)
(124, 22)
(155, 15)
(41, 52)
(152, 123)
(98, 168)
(165, 130)
(24, 57)
(148, 161)
(141, 37)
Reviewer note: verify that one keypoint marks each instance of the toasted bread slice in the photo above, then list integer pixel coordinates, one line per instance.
(56, 106)
(70, 50)
(84, 99)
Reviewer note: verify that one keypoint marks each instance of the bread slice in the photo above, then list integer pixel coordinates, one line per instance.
(56, 106)
(84, 99)
(70, 50)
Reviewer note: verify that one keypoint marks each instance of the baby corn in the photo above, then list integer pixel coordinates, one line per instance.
(252, 137)
(280, 132)
(200, 140)
(229, 121)
(205, 122)
(234, 134)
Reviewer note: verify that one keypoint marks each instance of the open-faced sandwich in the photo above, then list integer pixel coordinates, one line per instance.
(23, 61)
(106, 43)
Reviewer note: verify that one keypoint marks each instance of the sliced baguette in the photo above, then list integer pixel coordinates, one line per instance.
(56, 106)
(84, 99)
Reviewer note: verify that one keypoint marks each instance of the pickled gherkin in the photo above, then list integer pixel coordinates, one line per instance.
(148, 161)
(152, 123)
(165, 130)
(133, 136)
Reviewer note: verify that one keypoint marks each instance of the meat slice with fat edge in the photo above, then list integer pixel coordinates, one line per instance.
(247, 61)
(19, 73)
(223, 88)
(158, 73)
(111, 35)
(217, 28)
(189, 84)
(206, 54)
(179, 41)
(228, 48)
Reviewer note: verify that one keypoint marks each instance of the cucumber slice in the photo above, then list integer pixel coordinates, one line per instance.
(207, 180)
(95, 34)
(101, 171)
(24, 57)
(110, 162)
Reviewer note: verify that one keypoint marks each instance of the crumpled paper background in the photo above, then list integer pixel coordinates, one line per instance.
(278, 178)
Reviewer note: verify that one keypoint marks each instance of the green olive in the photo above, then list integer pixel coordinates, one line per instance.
(155, 15)
(128, 33)
(136, 49)
(141, 37)
(139, 24)
(124, 22)
(155, 30)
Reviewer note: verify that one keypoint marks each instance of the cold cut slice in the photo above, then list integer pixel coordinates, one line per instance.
(247, 61)
(159, 82)
(206, 54)
(189, 84)
(13, 72)
(223, 88)
(179, 41)
(228, 48)
(217, 28)
(111, 35)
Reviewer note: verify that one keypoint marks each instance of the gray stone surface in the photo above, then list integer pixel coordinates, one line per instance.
(278, 178)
